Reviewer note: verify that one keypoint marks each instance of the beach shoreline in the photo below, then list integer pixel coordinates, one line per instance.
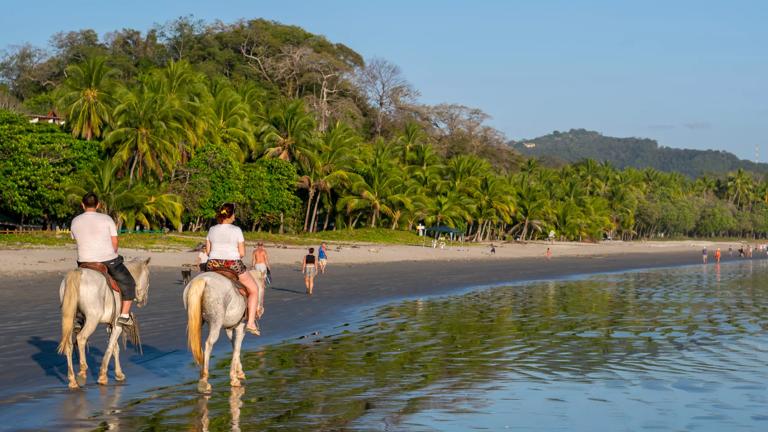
(18, 262)
(34, 379)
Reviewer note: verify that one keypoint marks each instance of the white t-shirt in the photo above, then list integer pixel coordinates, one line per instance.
(224, 239)
(93, 232)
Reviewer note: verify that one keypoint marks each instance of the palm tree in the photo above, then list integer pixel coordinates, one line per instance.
(229, 120)
(87, 97)
(740, 187)
(147, 128)
(328, 167)
(287, 131)
(449, 209)
(127, 205)
(413, 136)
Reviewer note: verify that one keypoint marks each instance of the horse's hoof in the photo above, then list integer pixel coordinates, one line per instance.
(120, 377)
(73, 385)
(240, 375)
(103, 380)
(204, 387)
(81, 379)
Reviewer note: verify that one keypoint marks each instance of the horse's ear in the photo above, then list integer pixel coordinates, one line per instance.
(146, 261)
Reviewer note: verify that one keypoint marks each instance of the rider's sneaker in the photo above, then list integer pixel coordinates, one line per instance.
(125, 321)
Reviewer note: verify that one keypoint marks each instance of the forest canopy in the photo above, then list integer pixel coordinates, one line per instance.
(305, 134)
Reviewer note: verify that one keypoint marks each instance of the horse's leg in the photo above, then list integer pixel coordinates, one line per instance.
(119, 375)
(70, 368)
(236, 369)
(82, 341)
(116, 331)
(213, 335)
(237, 342)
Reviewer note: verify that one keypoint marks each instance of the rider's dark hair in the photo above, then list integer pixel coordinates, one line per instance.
(225, 212)
(90, 200)
(311, 250)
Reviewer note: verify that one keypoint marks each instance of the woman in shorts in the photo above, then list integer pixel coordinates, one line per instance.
(225, 247)
(309, 270)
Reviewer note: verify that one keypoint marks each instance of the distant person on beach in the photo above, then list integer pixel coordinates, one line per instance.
(549, 253)
(260, 261)
(96, 237)
(309, 270)
(730, 251)
(225, 246)
(717, 255)
(493, 249)
(322, 257)
(704, 255)
(201, 261)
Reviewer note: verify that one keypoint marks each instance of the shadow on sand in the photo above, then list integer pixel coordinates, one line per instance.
(55, 364)
(287, 290)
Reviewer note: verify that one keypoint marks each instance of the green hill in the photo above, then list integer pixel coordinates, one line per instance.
(578, 144)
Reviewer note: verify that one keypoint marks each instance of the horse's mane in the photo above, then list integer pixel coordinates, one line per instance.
(134, 264)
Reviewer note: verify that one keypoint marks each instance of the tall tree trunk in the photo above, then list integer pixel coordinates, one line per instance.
(327, 218)
(133, 166)
(313, 225)
(309, 207)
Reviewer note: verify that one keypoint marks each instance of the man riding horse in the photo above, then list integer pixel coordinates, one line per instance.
(96, 237)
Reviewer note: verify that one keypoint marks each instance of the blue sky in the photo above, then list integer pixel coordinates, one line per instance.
(690, 74)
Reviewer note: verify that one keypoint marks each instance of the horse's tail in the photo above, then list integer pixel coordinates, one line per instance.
(195, 318)
(69, 308)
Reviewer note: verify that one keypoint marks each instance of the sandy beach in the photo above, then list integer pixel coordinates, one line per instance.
(359, 278)
(17, 262)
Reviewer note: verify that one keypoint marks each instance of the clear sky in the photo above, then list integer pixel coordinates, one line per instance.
(690, 74)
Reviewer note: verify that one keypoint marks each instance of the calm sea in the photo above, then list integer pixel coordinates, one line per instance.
(671, 349)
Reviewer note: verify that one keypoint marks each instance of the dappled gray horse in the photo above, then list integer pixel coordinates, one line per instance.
(212, 297)
(87, 291)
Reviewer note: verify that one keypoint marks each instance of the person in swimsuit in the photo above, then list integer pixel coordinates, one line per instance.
(260, 263)
(225, 247)
(322, 257)
(717, 255)
(704, 255)
(309, 270)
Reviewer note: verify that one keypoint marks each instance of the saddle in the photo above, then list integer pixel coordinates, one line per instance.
(232, 276)
(101, 268)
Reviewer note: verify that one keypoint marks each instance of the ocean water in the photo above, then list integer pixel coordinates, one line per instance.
(670, 349)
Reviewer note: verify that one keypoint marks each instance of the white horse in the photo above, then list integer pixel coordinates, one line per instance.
(212, 297)
(86, 291)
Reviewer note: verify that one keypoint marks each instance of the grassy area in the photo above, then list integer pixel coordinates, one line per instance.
(133, 241)
(360, 235)
(189, 240)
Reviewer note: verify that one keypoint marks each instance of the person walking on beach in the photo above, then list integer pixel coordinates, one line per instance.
(260, 261)
(322, 257)
(717, 255)
(309, 270)
(202, 259)
(96, 237)
(549, 253)
(225, 247)
(704, 255)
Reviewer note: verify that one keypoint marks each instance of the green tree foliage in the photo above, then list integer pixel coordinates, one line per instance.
(560, 148)
(281, 122)
(35, 162)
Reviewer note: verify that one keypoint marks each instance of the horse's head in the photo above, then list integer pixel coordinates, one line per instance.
(142, 282)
